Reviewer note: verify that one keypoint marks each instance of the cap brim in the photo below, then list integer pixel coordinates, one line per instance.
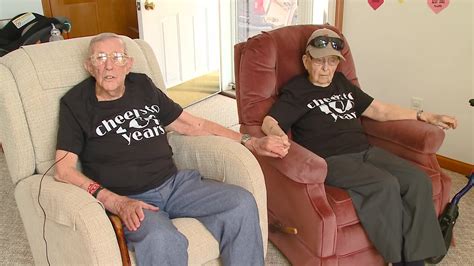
(323, 52)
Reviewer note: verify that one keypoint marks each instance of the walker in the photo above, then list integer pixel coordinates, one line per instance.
(448, 219)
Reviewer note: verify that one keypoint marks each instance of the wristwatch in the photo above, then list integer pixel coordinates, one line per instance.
(245, 138)
(418, 115)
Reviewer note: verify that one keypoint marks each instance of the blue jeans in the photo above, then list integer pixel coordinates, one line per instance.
(229, 212)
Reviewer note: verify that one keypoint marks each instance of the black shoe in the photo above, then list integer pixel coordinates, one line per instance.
(415, 263)
(435, 260)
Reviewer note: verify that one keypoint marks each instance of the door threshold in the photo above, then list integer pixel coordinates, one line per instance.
(229, 93)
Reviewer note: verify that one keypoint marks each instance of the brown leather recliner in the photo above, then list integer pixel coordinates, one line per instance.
(312, 223)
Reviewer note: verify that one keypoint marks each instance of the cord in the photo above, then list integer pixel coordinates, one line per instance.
(41, 206)
(233, 125)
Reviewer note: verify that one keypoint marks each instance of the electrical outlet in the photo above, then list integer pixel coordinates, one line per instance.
(416, 103)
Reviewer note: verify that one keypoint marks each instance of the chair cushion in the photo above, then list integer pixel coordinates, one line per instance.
(205, 246)
(351, 237)
(341, 204)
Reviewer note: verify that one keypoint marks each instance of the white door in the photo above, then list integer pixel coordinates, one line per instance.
(184, 35)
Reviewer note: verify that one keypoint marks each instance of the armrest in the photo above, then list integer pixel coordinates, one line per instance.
(75, 221)
(217, 158)
(412, 135)
(122, 242)
(63, 202)
(310, 168)
(304, 209)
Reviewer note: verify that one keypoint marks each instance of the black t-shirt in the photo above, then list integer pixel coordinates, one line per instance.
(323, 119)
(121, 144)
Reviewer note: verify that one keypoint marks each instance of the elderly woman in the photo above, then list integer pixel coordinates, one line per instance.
(116, 123)
(392, 197)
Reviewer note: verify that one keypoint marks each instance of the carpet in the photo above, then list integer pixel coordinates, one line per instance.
(14, 249)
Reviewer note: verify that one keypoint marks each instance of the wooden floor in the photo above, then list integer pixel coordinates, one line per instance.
(195, 90)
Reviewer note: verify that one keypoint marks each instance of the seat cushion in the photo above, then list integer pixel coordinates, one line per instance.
(351, 237)
(341, 204)
(205, 247)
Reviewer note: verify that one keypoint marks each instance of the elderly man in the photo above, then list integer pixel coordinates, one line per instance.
(116, 123)
(392, 197)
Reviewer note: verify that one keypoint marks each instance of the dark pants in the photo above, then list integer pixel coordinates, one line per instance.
(393, 199)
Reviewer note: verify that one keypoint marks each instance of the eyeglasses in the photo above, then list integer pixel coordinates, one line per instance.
(323, 41)
(119, 59)
(332, 60)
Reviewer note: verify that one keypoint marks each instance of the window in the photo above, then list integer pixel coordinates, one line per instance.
(255, 16)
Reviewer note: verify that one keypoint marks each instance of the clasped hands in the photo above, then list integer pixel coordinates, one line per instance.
(272, 146)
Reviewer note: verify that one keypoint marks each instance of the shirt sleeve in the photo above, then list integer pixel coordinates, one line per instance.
(70, 134)
(287, 109)
(169, 110)
(362, 100)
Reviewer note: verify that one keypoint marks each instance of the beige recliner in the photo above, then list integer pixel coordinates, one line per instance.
(77, 229)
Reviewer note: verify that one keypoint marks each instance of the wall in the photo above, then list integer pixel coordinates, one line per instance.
(11, 8)
(405, 50)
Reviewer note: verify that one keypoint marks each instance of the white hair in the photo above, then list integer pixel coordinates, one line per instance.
(105, 36)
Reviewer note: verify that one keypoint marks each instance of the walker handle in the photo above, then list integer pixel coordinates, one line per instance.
(464, 190)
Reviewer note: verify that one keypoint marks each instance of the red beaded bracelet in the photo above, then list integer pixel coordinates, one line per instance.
(91, 189)
(96, 193)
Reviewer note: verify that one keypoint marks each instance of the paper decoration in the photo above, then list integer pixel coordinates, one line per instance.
(375, 3)
(438, 5)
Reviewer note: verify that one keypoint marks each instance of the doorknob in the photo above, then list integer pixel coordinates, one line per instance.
(149, 5)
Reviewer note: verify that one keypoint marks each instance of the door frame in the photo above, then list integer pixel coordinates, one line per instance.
(339, 14)
(47, 8)
(226, 42)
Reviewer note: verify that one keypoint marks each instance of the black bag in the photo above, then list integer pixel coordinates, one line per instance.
(29, 28)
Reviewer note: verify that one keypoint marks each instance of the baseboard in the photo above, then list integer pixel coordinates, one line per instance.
(454, 165)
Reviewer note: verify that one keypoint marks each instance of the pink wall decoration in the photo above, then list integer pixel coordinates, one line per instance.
(375, 3)
(438, 5)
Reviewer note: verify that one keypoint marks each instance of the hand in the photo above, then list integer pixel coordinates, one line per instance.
(442, 121)
(131, 212)
(273, 146)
